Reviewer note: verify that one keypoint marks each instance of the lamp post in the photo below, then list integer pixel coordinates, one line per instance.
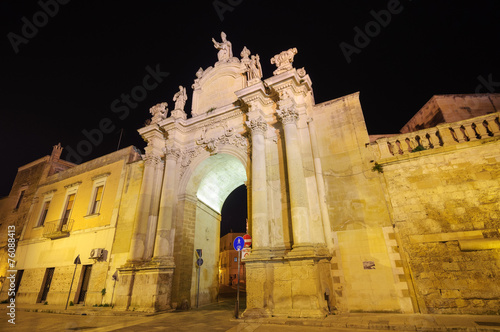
(115, 278)
(76, 262)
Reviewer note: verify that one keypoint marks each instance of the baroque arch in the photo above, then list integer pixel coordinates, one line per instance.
(261, 132)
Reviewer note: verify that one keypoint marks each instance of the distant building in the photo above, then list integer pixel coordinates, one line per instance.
(228, 261)
(15, 208)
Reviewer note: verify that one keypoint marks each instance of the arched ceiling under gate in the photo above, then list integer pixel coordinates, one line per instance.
(218, 176)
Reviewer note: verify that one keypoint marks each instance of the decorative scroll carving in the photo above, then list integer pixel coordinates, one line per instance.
(158, 112)
(257, 126)
(229, 137)
(283, 61)
(301, 72)
(187, 156)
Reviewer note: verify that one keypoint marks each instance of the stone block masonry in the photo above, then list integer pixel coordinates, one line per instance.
(446, 209)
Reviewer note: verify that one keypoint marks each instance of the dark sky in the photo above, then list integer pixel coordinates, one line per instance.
(67, 73)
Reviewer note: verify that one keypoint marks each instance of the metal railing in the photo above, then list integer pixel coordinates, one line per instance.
(57, 228)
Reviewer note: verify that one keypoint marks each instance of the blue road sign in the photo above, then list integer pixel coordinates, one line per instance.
(238, 243)
(199, 261)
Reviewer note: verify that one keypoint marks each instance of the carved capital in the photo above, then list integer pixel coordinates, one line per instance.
(152, 160)
(257, 126)
(172, 153)
(288, 115)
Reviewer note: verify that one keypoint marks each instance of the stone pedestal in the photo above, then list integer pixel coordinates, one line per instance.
(288, 287)
(146, 288)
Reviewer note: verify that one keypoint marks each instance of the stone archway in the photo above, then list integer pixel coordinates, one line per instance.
(207, 187)
(259, 131)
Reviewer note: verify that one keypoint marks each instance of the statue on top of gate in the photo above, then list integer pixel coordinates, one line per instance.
(225, 48)
(283, 61)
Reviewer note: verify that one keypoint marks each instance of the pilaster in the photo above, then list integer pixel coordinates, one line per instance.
(260, 220)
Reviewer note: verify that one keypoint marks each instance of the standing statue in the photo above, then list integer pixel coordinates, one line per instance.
(180, 98)
(224, 47)
(244, 56)
(255, 69)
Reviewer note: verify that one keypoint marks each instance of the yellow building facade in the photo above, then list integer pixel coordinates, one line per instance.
(74, 213)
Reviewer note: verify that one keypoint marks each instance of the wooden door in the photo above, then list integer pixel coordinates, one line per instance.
(86, 269)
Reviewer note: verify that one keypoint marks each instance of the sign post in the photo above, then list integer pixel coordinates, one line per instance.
(199, 263)
(238, 244)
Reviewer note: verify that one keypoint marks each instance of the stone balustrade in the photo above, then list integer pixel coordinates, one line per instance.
(445, 134)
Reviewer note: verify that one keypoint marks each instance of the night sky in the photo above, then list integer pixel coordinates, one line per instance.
(68, 75)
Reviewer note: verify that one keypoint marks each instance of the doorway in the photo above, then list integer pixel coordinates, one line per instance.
(19, 276)
(86, 270)
(47, 280)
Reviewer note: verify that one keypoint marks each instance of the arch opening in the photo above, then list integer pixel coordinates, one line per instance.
(213, 180)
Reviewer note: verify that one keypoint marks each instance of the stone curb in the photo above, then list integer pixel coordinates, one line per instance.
(422, 323)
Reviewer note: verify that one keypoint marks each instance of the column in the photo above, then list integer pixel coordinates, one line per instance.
(260, 221)
(164, 244)
(288, 116)
(138, 242)
(153, 210)
(318, 170)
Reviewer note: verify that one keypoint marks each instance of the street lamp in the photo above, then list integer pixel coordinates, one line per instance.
(76, 262)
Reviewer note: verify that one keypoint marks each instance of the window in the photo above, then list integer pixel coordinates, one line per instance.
(43, 215)
(20, 199)
(67, 209)
(96, 201)
(97, 194)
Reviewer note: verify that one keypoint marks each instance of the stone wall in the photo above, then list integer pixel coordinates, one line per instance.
(446, 209)
(365, 275)
(206, 237)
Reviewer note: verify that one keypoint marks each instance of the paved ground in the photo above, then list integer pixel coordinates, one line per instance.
(220, 317)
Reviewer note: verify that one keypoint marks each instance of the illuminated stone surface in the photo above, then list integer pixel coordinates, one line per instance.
(341, 221)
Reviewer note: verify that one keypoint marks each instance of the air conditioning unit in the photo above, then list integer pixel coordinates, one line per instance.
(96, 253)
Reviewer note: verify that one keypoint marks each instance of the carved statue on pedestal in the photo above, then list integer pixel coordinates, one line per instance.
(180, 98)
(283, 61)
(255, 70)
(224, 47)
(158, 112)
(253, 67)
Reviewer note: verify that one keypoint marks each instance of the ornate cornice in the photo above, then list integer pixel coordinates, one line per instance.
(75, 184)
(103, 175)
